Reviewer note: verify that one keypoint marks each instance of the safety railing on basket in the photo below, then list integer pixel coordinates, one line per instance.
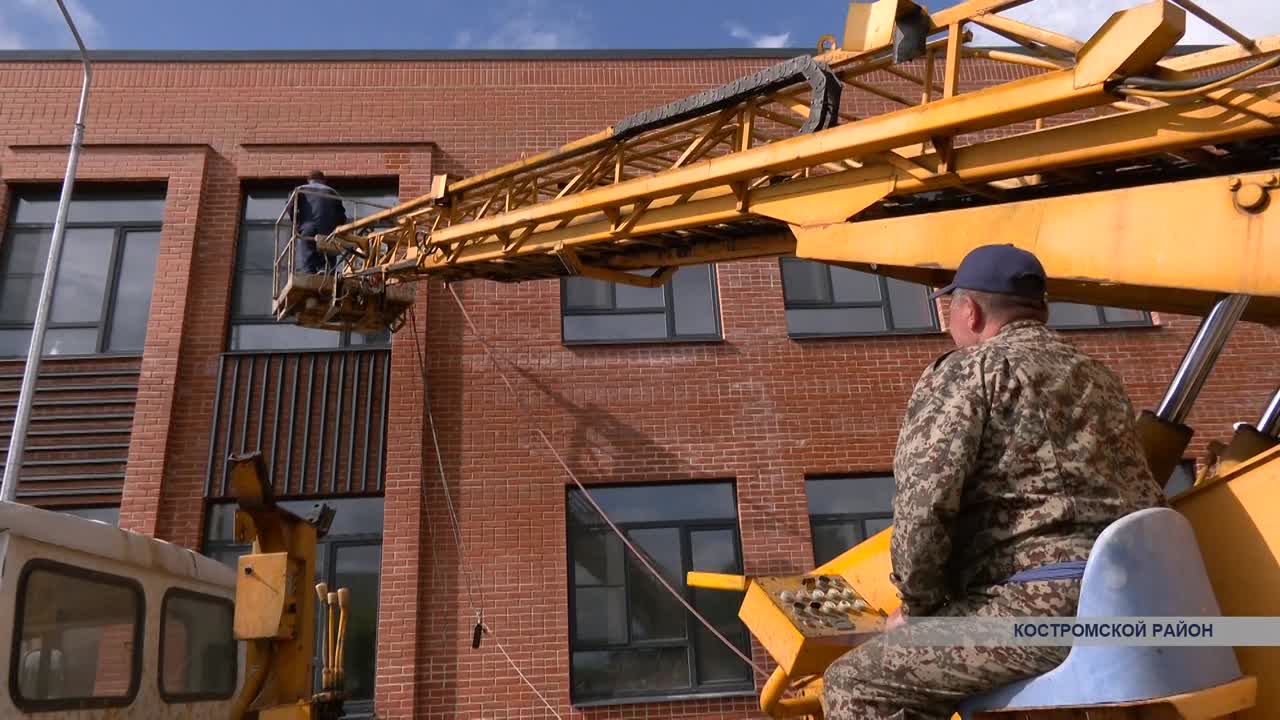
(340, 258)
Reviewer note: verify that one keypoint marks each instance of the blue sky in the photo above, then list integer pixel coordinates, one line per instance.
(526, 24)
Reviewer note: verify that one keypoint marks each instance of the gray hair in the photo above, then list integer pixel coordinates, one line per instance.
(1006, 308)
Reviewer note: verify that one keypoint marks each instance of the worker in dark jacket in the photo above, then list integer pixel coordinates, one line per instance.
(1016, 452)
(320, 212)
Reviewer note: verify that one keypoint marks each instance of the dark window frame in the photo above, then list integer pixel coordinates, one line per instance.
(884, 304)
(829, 519)
(173, 698)
(243, 225)
(351, 707)
(103, 324)
(844, 519)
(690, 641)
(668, 310)
(90, 703)
(1103, 324)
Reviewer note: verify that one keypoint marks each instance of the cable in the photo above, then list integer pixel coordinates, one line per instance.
(644, 560)
(522, 677)
(1169, 89)
(435, 443)
(457, 532)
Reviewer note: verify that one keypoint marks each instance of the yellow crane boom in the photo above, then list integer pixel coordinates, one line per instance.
(751, 170)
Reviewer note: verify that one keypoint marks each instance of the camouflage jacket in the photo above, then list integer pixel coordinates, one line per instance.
(1014, 453)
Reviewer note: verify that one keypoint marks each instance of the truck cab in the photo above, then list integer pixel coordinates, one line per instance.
(99, 622)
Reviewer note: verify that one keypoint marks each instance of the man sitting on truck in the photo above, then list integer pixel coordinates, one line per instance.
(1016, 452)
(320, 212)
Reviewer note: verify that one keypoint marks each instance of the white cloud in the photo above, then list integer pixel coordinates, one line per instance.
(39, 23)
(760, 40)
(1080, 19)
(90, 27)
(531, 25)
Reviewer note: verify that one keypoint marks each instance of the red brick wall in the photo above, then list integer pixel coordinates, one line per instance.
(758, 407)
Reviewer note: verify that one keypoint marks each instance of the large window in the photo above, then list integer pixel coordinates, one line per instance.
(685, 308)
(845, 511)
(1071, 316)
(197, 647)
(102, 289)
(824, 299)
(253, 324)
(78, 640)
(350, 556)
(629, 638)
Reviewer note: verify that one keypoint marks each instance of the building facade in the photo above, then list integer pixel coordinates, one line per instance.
(741, 419)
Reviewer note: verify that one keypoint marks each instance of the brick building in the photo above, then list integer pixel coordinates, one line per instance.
(744, 418)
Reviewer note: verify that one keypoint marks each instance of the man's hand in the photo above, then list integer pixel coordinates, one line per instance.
(895, 621)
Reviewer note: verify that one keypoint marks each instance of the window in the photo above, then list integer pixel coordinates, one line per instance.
(685, 308)
(630, 639)
(78, 641)
(109, 515)
(350, 556)
(102, 289)
(1072, 316)
(198, 651)
(824, 299)
(845, 511)
(253, 324)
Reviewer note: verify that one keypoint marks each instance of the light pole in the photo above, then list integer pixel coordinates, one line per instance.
(13, 461)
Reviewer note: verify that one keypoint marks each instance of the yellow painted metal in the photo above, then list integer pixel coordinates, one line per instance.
(1111, 51)
(837, 204)
(1217, 57)
(1237, 521)
(1013, 58)
(301, 711)
(717, 581)
(870, 25)
(866, 568)
(773, 690)
(1118, 225)
(1011, 27)
(802, 660)
(961, 11)
(1151, 131)
(1024, 99)
(279, 660)
(782, 640)
(261, 598)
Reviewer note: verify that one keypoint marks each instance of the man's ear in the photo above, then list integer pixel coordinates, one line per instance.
(974, 315)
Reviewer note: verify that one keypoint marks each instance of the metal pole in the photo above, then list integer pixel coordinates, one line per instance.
(13, 462)
(1210, 338)
(1270, 422)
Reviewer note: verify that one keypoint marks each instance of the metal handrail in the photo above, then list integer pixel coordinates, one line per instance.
(290, 210)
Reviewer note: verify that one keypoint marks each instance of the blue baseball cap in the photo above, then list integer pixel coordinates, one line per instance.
(1000, 269)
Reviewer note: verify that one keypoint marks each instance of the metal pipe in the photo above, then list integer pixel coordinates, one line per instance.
(1270, 422)
(1217, 23)
(1210, 338)
(18, 441)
